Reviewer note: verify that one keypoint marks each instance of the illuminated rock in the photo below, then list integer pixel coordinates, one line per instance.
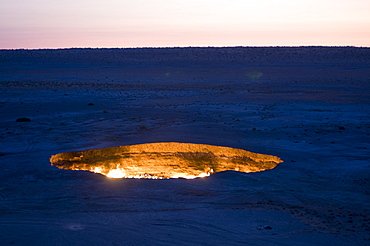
(164, 160)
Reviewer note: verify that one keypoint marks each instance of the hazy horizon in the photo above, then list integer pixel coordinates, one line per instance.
(39, 24)
(187, 47)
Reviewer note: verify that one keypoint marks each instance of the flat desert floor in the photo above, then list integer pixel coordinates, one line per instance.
(310, 106)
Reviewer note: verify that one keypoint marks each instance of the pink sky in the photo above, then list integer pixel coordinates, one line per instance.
(167, 23)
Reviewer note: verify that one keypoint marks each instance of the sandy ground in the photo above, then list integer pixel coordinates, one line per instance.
(309, 106)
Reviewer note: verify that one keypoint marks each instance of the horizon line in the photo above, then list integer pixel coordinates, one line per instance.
(184, 47)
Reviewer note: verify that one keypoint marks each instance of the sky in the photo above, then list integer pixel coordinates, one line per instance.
(35, 24)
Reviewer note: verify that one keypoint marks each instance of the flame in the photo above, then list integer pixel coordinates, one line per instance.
(120, 173)
(187, 176)
(97, 170)
(164, 160)
(116, 174)
(202, 175)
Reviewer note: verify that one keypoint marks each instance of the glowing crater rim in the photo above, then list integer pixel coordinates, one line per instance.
(164, 160)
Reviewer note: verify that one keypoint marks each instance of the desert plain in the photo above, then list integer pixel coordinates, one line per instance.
(309, 106)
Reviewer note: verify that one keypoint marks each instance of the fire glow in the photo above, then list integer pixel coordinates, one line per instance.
(164, 161)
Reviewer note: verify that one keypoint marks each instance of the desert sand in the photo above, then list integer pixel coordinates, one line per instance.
(309, 106)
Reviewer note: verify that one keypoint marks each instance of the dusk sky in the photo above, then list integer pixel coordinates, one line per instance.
(168, 23)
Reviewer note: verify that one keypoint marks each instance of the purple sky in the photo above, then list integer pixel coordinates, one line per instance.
(120, 23)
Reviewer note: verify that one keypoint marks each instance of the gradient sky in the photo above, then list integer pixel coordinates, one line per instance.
(163, 23)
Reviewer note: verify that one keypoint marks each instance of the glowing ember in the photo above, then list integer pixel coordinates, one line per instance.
(164, 160)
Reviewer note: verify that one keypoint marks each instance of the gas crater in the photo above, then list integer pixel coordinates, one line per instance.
(164, 160)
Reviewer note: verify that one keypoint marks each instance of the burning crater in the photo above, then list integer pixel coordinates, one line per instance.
(164, 160)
